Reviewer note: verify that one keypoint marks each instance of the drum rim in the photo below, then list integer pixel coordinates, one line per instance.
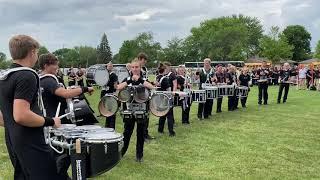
(102, 105)
(106, 76)
(151, 109)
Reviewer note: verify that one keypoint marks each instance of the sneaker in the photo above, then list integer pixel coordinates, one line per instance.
(278, 102)
(149, 137)
(172, 134)
(139, 159)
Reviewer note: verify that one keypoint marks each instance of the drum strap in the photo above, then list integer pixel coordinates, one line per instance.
(207, 74)
(5, 75)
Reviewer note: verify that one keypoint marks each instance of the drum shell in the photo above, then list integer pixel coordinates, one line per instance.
(199, 96)
(97, 161)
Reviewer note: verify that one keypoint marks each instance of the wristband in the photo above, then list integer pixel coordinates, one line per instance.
(48, 121)
(84, 89)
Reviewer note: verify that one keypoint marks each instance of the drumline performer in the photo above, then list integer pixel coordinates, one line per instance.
(168, 82)
(220, 77)
(79, 77)
(206, 76)
(285, 75)
(134, 79)
(142, 59)
(71, 77)
(263, 74)
(244, 79)
(23, 120)
(183, 85)
(110, 88)
(54, 92)
(232, 80)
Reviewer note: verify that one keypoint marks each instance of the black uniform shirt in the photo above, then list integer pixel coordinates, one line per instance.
(232, 77)
(285, 75)
(20, 85)
(181, 82)
(244, 80)
(221, 77)
(113, 78)
(263, 73)
(49, 85)
(164, 82)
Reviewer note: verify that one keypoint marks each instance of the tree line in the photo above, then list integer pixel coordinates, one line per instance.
(226, 38)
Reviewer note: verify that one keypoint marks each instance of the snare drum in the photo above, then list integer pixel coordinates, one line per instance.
(108, 105)
(160, 104)
(98, 75)
(103, 151)
(212, 92)
(262, 80)
(226, 90)
(199, 96)
(242, 91)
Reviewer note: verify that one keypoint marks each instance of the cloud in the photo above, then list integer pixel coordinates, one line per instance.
(71, 23)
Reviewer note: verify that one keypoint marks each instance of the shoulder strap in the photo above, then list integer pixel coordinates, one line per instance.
(49, 75)
(5, 75)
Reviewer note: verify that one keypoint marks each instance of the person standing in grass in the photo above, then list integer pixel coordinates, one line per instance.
(206, 76)
(285, 75)
(182, 85)
(244, 79)
(134, 79)
(262, 74)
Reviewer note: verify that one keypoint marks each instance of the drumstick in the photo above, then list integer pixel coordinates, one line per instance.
(58, 110)
(65, 115)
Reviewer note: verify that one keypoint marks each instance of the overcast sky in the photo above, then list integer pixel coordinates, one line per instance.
(69, 23)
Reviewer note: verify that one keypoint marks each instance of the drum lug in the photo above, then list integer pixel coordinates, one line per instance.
(88, 149)
(105, 148)
(120, 146)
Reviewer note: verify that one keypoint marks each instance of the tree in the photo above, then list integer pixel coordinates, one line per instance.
(225, 38)
(87, 56)
(142, 43)
(275, 46)
(174, 53)
(3, 57)
(317, 52)
(103, 50)
(299, 38)
(43, 50)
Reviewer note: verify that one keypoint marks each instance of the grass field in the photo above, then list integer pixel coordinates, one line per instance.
(276, 141)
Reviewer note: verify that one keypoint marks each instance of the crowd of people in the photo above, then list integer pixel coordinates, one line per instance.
(28, 103)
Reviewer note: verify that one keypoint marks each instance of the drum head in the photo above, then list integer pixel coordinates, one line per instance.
(108, 105)
(102, 137)
(124, 95)
(101, 76)
(160, 104)
(88, 127)
(141, 94)
(122, 73)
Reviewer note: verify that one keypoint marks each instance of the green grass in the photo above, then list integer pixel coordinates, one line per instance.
(277, 141)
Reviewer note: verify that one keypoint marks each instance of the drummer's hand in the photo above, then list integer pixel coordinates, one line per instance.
(135, 77)
(90, 90)
(57, 122)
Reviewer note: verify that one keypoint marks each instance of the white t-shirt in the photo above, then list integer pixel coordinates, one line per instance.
(302, 73)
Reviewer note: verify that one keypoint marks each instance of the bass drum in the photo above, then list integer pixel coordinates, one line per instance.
(97, 75)
(121, 71)
(160, 104)
(108, 105)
